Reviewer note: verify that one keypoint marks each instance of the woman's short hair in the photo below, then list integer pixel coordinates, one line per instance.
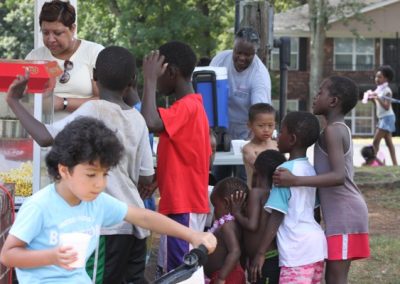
(58, 11)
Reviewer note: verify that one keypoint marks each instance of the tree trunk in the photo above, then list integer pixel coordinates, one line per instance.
(318, 22)
(255, 15)
(205, 10)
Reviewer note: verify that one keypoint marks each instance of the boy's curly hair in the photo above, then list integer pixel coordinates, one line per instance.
(84, 140)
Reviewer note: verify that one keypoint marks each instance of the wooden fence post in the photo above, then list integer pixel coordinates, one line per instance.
(259, 15)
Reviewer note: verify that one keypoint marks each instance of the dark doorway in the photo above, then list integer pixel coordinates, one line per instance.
(391, 56)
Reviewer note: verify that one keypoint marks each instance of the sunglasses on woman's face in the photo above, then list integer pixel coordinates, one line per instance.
(68, 65)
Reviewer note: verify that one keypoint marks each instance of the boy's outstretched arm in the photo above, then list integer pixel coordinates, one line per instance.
(161, 224)
(34, 127)
(271, 230)
(153, 68)
(334, 143)
(15, 254)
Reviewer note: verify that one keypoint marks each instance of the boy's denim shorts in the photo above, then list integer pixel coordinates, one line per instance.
(387, 123)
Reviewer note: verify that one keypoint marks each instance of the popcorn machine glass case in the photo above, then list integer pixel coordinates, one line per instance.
(21, 159)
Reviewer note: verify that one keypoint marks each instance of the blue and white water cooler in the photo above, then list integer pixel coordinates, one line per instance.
(212, 83)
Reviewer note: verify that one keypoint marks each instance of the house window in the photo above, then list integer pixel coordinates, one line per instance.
(352, 54)
(361, 120)
(294, 56)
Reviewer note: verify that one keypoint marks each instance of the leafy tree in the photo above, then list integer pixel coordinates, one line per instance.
(16, 28)
(142, 26)
(318, 23)
(283, 5)
(321, 12)
(137, 25)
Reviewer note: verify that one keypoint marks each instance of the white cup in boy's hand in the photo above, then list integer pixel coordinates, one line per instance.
(79, 243)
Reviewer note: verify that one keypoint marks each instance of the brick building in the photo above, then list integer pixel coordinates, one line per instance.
(346, 54)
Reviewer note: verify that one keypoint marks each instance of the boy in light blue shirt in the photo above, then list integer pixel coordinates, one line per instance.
(79, 161)
(46, 215)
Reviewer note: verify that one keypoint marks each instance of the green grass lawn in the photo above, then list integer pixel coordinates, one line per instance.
(384, 264)
(381, 189)
(368, 177)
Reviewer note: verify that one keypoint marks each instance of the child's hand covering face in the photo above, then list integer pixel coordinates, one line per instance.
(238, 200)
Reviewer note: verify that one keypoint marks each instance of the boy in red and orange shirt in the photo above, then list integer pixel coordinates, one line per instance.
(184, 147)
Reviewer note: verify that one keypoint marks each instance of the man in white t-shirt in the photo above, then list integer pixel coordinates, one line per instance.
(249, 83)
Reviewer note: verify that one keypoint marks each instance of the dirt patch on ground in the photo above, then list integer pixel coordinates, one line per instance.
(384, 209)
(381, 189)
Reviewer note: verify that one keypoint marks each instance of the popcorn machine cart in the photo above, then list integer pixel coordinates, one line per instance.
(21, 159)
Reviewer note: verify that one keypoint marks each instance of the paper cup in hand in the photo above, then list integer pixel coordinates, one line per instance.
(365, 97)
(237, 146)
(79, 243)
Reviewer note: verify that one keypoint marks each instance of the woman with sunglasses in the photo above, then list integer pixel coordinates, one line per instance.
(76, 57)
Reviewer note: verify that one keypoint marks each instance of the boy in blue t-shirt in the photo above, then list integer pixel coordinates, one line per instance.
(79, 161)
